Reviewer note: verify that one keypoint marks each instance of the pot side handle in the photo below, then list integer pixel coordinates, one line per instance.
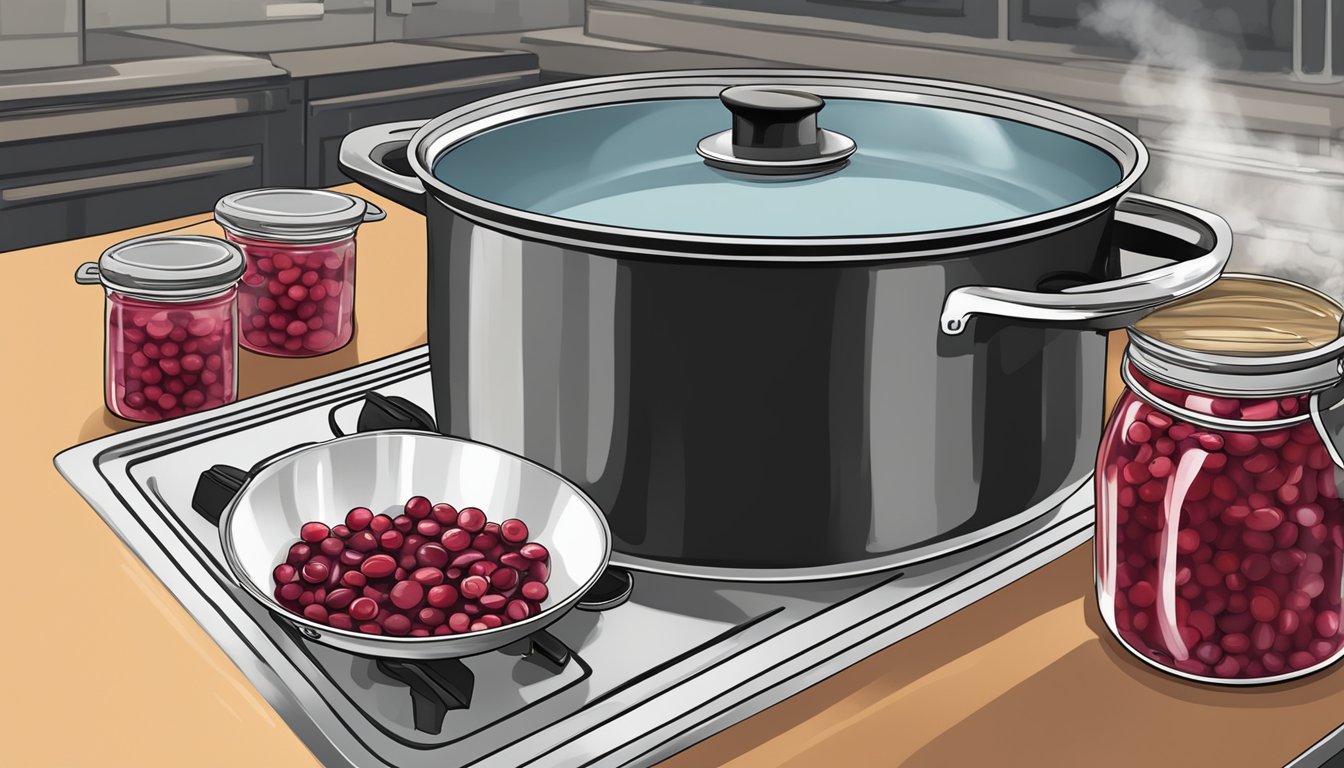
(376, 158)
(1143, 225)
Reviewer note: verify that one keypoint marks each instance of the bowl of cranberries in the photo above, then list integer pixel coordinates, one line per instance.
(413, 545)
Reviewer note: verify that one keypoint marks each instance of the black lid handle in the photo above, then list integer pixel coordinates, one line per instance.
(773, 123)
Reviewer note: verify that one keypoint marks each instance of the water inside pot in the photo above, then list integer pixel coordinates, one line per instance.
(917, 169)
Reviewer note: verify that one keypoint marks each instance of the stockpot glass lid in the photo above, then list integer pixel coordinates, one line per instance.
(787, 155)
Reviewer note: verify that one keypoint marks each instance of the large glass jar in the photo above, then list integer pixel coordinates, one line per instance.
(1220, 530)
(297, 297)
(171, 342)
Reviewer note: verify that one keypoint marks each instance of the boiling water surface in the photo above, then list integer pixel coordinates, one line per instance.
(917, 169)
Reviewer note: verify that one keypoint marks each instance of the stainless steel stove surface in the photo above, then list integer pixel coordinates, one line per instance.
(681, 659)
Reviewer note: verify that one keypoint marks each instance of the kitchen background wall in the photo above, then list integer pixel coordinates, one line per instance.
(48, 33)
(1238, 100)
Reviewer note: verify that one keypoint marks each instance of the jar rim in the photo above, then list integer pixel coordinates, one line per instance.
(170, 298)
(1210, 421)
(322, 237)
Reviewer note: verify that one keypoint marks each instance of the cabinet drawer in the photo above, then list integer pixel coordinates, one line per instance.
(75, 203)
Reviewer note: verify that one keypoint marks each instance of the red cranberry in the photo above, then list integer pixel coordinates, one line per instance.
(473, 587)
(378, 566)
(459, 622)
(517, 610)
(363, 541)
(432, 617)
(441, 596)
(428, 577)
(332, 546)
(391, 540)
(396, 624)
(535, 591)
(363, 609)
(465, 559)
(533, 551)
(455, 539)
(340, 599)
(513, 531)
(403, 523)
(444, 514)
(418, 507)
(539, 571)
(432, 556)
(407, 594)
(482, 568)
(315, 572)
(380, 523)
(314, 532)
(358, 518)
(504, 578)
(471, 520)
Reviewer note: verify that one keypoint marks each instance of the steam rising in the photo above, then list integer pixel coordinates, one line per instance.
(1173, 80)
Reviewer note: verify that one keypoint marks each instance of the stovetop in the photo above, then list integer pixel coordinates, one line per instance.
(681, 659)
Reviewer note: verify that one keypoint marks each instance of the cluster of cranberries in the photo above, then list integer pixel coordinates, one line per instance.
(432, 570)
(164, 362)
(296, 301)
(1227, 545)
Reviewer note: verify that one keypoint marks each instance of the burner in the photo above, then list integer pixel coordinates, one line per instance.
(436, 687)
(634, 677)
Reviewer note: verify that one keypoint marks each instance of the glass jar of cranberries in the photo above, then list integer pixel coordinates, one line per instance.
(297, 297)
(1220, 530)
(172, 312)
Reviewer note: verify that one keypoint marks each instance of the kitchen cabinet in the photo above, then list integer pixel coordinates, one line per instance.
(345, 88)
(80, 164)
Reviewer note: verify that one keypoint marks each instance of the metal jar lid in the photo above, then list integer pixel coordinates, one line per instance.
(295, 215)
(1268, 338)
(166, 267)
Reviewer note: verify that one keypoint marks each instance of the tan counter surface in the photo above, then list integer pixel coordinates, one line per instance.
(103, 667)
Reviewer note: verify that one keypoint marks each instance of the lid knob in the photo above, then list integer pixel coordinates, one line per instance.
(775, 133)
(771, 124)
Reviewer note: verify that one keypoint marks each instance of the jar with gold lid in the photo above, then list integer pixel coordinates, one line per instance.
(1220, 529)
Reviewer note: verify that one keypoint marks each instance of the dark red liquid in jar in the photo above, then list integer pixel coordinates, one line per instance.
(296, 299)
(168, 359)
(1219, 551)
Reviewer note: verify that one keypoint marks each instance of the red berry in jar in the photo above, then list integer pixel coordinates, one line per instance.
(1215, 544)
(293, 277)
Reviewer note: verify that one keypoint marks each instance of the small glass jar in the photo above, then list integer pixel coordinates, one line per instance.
(171, 342)
(297, 297)
(1220, 530)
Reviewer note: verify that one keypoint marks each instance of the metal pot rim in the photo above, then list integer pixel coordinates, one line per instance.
(441, 134)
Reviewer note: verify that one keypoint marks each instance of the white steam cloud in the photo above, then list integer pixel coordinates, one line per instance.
(1287, 216)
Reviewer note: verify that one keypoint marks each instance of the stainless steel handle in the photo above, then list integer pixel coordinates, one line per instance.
(1114, 303)
(361, 157)
(88, 274)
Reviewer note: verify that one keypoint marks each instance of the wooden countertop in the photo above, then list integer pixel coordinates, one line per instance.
(105, 668)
